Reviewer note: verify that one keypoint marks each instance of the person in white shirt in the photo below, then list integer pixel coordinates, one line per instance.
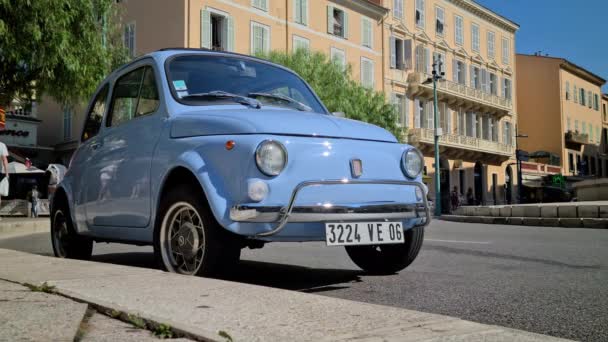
(4, 155)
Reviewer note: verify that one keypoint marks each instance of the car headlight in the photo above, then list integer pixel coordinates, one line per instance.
(412, 163)
(271, 157)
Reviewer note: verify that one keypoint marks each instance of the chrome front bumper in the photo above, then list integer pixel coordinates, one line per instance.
(328, 213)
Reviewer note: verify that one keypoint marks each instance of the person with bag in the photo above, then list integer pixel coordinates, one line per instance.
(4, 175)
(33, 197)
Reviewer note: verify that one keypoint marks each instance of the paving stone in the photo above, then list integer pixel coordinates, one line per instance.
(517, 211)
(568, 211)
(482, 211)
(588, 211)
(532, 221)
(548, 211)
(595, 223)
(518, 221)
(531, 211)
(495, 211)
(571, 222)
(549, 221)
(505, 211)
(101, 328)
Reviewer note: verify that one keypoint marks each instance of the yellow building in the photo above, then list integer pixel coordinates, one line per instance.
(604, 138)
(349, 31)
(477, 100)
(559, 109)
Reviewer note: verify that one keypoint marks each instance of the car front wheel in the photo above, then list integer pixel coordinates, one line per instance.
(388, 259)
(187, 238)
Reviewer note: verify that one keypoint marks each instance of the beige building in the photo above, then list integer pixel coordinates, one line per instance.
(604, 141)
(560, 109)
(349, 31)
(477, 100)
(390, 46)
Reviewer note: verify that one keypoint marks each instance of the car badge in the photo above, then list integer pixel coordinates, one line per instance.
(356, 168)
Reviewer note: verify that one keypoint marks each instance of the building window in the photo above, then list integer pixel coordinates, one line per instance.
(604, 111)
(507, 137)
(493, 84)
(67, 123)
(423, 114)
(475, 37)
(506, 90)
(300, 43)
(400, 103)
(260, 38)
(459, 30)
(398, 9)
(575, 94)
(576, 125)
(598, 136)
(584, 131)
(571, 162)
(420, 13)
(590, 132)
(337, 22)
(462, 122)
(596, 102)
(367, 33)
(582, 96)
(567, 90)
(129, 39)
(401, 53)
(301, 9)
(260, 4)
(491, 41)
(423, 59)
(367, 72)
(439, 21)
(339, 57)
(506, 51)
(459, 72)
(589, 99)
(568, 128)
(217, 30)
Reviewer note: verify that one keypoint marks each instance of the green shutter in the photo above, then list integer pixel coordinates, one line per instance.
(230, 33)
(205, 29)
(265, 39)
(345, 29)
(304, 12)
(330, 19)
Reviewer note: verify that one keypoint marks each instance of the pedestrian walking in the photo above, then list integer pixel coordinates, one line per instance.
(4, 175)
(470, 197)
(455, 198)
(33, 197)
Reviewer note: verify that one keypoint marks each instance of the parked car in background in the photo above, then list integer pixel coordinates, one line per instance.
(202, 153)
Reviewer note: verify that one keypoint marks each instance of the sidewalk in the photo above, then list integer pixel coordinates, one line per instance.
(16, 226)
(217, 310)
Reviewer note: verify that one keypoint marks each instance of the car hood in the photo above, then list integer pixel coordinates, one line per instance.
(273, 121)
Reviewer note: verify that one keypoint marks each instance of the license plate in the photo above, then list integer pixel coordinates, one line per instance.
(363, 233)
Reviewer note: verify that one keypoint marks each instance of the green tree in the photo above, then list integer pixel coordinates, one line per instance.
(338, 91)
(62, 48)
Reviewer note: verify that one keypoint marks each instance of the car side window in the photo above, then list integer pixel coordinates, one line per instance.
(95, 115)
(134, 95)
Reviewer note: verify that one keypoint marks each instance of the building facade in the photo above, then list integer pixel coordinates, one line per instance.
(476, 98)
(560, 109)
(350, 31)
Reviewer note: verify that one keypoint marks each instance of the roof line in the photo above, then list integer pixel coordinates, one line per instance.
(569, 64)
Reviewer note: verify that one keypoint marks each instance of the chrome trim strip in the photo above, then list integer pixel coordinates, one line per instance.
(285, 214)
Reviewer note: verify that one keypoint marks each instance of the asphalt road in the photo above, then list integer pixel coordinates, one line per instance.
(547, 280)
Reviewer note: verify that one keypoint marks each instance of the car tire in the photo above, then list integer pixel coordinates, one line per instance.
(66, 242)
(388, 259)
(193, 243)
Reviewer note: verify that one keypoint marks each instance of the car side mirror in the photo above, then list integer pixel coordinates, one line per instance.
(339, 114)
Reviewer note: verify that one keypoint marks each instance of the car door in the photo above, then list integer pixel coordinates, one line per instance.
(118, 185)
(83, 155)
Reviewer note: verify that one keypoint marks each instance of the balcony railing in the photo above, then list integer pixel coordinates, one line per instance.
(425, 135)
(463, 92)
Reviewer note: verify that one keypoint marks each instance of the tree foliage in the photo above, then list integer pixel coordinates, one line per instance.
(62, 48)
(338, 91)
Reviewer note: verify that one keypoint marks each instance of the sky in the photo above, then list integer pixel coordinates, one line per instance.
(575, 30)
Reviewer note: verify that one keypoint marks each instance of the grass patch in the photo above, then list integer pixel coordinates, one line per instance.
(137, 321)
(163, 331)
(225, 335)
(44, 287)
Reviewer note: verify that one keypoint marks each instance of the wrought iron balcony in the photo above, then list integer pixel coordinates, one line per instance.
(460, 95)
(576, 137)
(424, 136)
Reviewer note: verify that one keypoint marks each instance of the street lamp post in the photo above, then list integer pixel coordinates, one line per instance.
(518, 160)
(437, 76)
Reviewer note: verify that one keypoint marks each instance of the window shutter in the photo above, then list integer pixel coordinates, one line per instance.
(345, 29)
(455, 70)
(330, 19)
(472, 73)
(298, 11)
(393, 52)
(419, 59)
(448, 118)
(406, 120)
(430, 115)
(230, 33)
(427, 61)
(417, 113)
(304, 11)
(484, 80)
(265, 39)
(205, 29)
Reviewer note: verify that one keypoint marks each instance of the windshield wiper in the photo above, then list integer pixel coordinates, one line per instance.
(218, 94)
(297, 104)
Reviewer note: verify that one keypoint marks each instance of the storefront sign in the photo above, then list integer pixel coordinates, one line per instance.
(15, 133)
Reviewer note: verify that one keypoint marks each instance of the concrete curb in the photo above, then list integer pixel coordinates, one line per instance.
(203, 307)
(593, 223)
(13, 227)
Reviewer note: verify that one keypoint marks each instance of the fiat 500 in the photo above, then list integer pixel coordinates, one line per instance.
(203, 153)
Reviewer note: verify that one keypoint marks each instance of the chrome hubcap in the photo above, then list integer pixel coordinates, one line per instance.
(60, 234)
(184, 239)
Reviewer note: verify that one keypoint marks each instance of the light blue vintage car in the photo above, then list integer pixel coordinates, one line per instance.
(203, 153)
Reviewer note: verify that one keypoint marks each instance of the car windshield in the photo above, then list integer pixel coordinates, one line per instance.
(211, 79)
